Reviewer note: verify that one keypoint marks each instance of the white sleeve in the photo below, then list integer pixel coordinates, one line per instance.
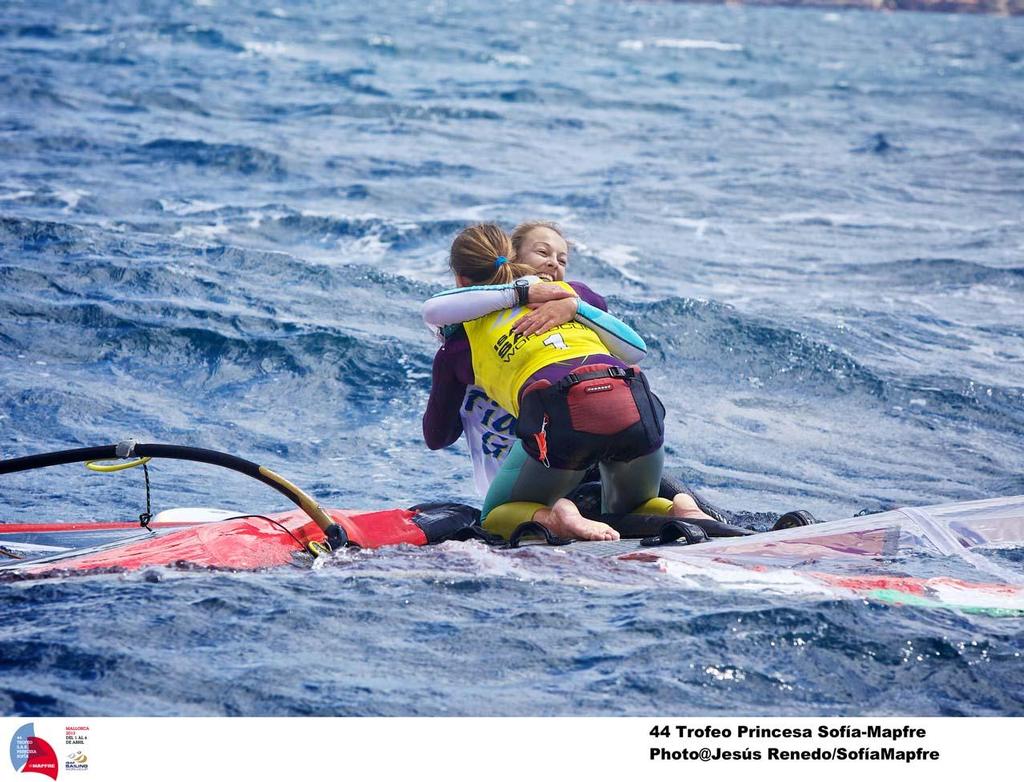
(459, 305)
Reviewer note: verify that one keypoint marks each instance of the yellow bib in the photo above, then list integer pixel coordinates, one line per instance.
(503, 360)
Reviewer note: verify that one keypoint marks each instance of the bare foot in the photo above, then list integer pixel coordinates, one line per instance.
(565, 520)
(685, 507)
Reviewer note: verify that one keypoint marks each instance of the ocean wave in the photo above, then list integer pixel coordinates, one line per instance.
(52, 198)
(220, 354)
(716, 340)
(43, 31)
(206, 37)
(857, 220)
(352, 79)
(107, 54)
(165, 100)
(20, 234)
(384, 110)
(25, 89)
(382, 168)
(235, 158)
(935, 273)
(387, 234)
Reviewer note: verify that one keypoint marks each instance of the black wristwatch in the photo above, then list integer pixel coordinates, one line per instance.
(522, 286)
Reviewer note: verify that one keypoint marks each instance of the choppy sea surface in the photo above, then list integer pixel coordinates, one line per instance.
(217, 223)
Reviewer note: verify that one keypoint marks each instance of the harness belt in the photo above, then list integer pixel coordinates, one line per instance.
(573, 379)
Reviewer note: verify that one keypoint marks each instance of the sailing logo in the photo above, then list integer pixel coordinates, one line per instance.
(76, 739)
(31, 754)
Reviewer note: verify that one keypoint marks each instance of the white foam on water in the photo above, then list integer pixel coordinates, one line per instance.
(680, 43)
(78, 27)
(271, 49)
(202, 232)
(515, 60)
(323, 53)
(17, 195)
(369, 247)
(189, 207)
(691, 43)
(70, 197)
(847, 219)
(725, 674)
(699, 226)
(621, 257)
(479, 213)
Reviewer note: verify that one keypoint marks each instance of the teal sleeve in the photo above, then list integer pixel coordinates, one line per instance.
(619, 338)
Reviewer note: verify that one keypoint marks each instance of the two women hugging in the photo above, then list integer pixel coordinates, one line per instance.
(544, 384)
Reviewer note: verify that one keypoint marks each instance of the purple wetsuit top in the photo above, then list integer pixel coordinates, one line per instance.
(453, 371)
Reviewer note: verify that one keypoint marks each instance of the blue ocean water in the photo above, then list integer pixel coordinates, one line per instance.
(217, 223)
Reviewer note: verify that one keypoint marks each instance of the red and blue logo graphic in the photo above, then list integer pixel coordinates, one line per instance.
(29, 753)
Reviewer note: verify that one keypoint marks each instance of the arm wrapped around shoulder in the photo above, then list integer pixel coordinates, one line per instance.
(459, 305)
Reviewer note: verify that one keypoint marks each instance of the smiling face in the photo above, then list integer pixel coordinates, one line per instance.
(545, 250)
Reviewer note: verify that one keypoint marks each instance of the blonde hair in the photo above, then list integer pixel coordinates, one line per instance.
(477, 254)
(523, 229)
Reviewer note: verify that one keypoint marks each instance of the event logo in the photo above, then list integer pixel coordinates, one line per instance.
(76, 739)
(31, 753)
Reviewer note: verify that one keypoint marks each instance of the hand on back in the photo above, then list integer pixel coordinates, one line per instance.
(547, 315)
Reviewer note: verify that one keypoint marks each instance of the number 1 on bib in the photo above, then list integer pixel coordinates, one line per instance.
(556, 341)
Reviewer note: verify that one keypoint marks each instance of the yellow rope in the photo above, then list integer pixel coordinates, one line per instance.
(99, 467)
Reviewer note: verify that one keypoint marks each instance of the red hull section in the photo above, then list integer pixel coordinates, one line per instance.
(248, 543)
